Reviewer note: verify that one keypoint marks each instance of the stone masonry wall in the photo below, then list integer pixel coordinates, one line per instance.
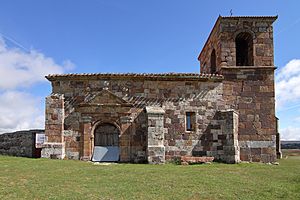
(262, 31)
(213, 42)
(155, 139)
(250, 91)
(220, 139)
(79, 103)
(54, 118)
(54, 146)
(225, 139)
(223, 37)
(20, 143)
(176, 97)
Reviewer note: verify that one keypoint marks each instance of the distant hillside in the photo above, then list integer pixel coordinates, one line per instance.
(290, 144)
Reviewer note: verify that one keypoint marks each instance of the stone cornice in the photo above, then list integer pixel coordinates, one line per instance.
(248, 67)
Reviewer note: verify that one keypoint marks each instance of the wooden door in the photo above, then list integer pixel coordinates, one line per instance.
(106, 143)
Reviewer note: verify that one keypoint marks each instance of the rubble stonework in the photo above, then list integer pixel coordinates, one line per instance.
(20, 143)
(231, 113)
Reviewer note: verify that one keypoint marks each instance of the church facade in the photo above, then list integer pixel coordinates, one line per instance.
(227, 111)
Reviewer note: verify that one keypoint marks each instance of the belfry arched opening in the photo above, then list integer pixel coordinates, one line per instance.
(244, 49)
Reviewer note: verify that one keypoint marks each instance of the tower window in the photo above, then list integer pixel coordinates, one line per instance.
(244, 49)
(213, 62)
(190, 119)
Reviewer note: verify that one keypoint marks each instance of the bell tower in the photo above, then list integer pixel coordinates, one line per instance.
(241, 49)
(238, 41)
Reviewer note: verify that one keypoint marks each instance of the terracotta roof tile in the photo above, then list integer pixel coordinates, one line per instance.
(254, 17)
(137, 75)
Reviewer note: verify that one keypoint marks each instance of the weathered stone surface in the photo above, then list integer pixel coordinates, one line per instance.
(155, 146)
(53, 150)
(233, 114)
(20, 143)
(247, 89)
(194, 160)
(222, 39)
(135, 124)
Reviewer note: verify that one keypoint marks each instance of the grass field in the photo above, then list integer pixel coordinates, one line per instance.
(23, 178)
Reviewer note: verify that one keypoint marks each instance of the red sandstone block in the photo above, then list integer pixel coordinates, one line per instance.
(169, 158)
(54, 116)
(255, 158)
(193, 159)
(268, 151)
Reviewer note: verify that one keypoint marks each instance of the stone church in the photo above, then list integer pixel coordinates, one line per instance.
(227, 111)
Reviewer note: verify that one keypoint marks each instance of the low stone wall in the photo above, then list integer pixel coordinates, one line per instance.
(20, 143)
(250, 91)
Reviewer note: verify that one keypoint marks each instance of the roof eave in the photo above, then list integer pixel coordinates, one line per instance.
(179, 76)
(218, 19)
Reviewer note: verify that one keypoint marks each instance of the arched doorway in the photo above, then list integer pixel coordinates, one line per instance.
(106, 143)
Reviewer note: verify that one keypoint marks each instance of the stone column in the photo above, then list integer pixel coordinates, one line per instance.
(229, 122)
(54, 146)
(155, 140)
(86, 137)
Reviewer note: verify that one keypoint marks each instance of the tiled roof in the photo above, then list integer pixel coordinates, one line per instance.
(255, 17)
(136, 75)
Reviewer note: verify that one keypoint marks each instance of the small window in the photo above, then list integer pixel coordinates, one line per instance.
(190, 119)
(213, 62)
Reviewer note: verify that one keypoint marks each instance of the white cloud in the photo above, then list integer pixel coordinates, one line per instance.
(288, 84)
(19, 111)
(22, 69)
(287, 90)
(19, 69)
(290, 133)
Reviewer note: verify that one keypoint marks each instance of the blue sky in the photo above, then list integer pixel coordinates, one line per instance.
(126, 36)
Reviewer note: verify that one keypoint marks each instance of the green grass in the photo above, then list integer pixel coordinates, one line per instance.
(23, 178)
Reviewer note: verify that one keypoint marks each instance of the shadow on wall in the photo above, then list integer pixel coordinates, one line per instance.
(219, 140)
(133, 140)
